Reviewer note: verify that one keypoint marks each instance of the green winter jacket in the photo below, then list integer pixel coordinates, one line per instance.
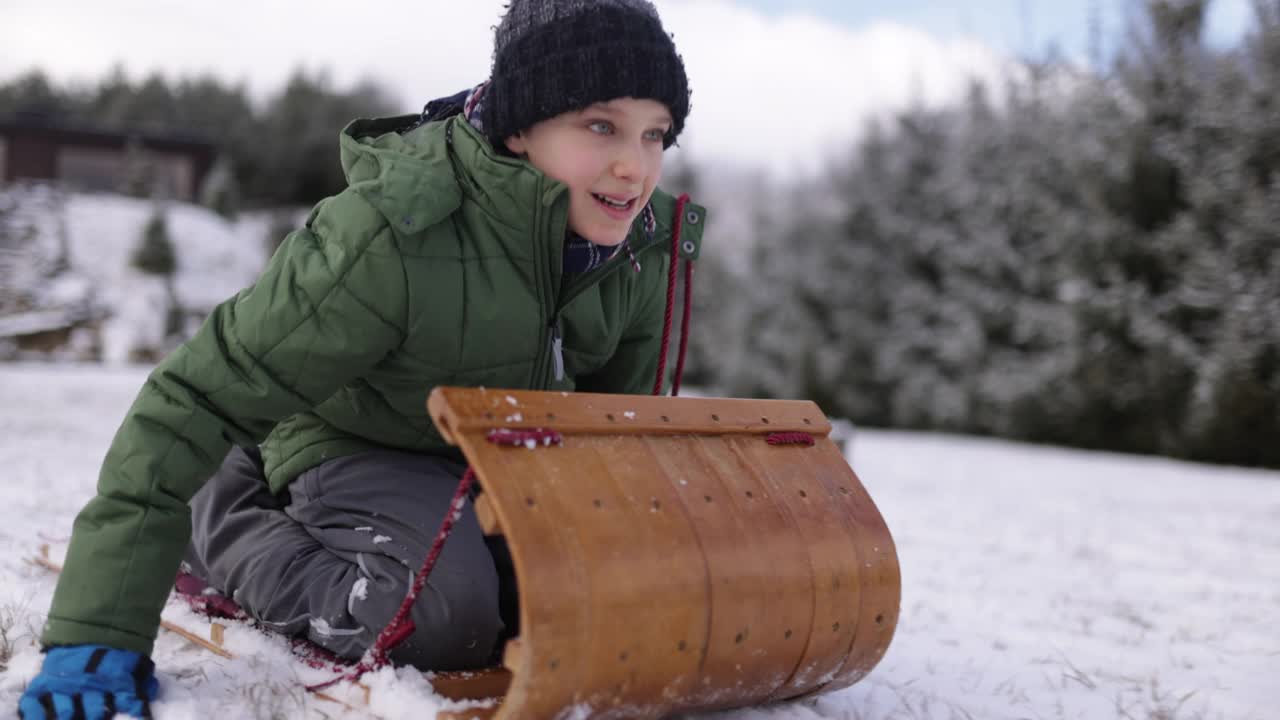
(440, 264)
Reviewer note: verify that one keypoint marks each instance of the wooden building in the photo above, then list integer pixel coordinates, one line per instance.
(35, 147)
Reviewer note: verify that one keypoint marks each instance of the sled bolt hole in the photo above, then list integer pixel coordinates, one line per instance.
(749, 494)
(804, 494)
(656, 505)
(716, 418)
(488, 416)
(682, 646)
(835, 627)
(597, 503)
(622, 656)
(880, 618)
(666, 419)
(844, 490)
(707, 498)
(764, 420)
(611, 417)
(807, 421)
(529, 501)
(786, 635)
(737, 639)
(554, 664)
(551, 416)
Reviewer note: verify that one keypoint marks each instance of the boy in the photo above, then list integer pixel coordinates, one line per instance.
(513, 239)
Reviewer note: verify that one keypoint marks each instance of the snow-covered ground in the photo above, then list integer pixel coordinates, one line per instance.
(1037, 583)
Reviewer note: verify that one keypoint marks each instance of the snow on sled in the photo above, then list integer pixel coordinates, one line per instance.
(672, 554)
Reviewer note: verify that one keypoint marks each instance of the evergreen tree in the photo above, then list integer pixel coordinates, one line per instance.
(154, 254)
(31, 93)
(306, 166)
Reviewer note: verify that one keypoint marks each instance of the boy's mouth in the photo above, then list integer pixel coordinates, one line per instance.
(615, 204)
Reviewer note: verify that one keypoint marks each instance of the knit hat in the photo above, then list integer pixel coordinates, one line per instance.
(557, 56)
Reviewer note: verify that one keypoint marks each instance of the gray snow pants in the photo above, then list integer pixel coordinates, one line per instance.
(335, 561)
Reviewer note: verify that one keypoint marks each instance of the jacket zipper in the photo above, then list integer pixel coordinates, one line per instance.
(540, 370)
(553, 371)
(557, 348)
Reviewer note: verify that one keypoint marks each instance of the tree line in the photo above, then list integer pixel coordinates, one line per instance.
(1093, 259)
(280, 151)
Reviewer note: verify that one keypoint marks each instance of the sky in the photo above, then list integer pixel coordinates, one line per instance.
(776, 85)
(1024, 27)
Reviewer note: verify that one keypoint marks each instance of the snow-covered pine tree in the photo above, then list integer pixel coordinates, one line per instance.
(154, 254)
(1228, 297)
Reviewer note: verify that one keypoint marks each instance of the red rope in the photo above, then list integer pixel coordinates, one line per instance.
(684, 326)
(676, 226)
(401, 625)
(790, 438)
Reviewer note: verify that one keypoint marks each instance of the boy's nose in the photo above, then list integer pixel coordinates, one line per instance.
(629, 162)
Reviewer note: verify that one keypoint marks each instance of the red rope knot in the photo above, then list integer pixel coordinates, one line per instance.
(790, 438)
(535, 438)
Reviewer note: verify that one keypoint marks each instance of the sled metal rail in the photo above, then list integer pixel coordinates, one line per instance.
(669, 558)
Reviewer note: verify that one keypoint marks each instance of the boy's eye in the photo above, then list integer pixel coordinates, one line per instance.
(658, 135)
(600, 127)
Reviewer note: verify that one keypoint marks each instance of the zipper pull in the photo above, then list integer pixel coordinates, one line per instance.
(557, 349)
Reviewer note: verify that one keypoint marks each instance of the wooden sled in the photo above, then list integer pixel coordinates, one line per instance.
(668, 557)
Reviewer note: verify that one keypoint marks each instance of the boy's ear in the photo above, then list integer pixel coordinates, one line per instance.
(516, 145)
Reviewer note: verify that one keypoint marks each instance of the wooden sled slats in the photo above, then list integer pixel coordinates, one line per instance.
(669, 558)
(596, 414)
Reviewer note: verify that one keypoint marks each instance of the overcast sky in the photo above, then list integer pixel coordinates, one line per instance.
(776, 84)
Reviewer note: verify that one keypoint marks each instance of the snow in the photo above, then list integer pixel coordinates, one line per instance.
(360, 590)
(35, 321)
(215, 258)
(1037, 582)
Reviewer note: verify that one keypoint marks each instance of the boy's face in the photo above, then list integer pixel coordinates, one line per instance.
(610, 157)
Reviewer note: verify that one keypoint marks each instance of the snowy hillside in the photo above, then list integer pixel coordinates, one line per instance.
(1037, 583)
(73, 251)
(215, 257)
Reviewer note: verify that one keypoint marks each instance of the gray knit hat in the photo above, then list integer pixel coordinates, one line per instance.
(557, 56)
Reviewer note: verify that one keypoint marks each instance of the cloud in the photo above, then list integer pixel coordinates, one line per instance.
(777, 92)
(788, 91)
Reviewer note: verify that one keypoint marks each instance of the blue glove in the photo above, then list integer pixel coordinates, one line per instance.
(90, 682)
